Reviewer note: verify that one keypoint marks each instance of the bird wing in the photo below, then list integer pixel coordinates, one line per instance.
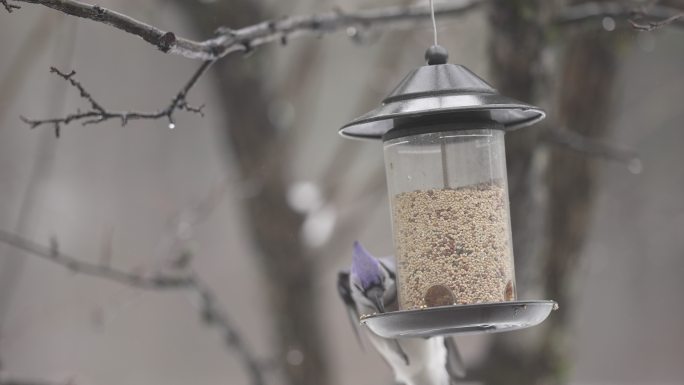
(454, 363)
(344, 290)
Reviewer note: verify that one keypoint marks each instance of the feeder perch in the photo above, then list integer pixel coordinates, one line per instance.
(443, 135)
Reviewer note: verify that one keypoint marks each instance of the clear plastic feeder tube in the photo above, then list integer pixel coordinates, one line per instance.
(450, 217)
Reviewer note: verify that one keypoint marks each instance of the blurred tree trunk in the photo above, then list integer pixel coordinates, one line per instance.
(552, 189)
(515, 49)
(250, 135)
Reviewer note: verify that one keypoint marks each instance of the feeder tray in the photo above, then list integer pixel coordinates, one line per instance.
(460, 319)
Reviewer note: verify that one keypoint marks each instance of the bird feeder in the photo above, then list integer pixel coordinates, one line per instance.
(443, 130)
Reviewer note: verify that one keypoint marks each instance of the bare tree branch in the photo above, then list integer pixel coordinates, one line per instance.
(644, 12)
(282, 30)
(161, 39)
(246, 39)
(97, 113)
(657, 15)
(227, 41)
(653, 25)
(584, 145)
(184, 279)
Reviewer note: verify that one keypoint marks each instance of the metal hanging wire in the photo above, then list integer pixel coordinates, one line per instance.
(434, 22)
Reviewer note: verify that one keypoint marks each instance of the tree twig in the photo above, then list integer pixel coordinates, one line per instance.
(97, 113)
(653, 25)
(185, 279)
(8, 6)
(663, 15)
(247, 38)
(584, 145)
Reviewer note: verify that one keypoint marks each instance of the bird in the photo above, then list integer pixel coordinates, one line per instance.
(370, 286)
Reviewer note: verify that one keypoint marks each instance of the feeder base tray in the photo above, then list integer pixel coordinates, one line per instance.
(460, 319)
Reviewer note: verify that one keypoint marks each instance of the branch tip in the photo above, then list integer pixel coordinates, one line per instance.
(166, 42)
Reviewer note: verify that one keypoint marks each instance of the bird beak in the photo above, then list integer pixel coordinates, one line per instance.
(375, 296)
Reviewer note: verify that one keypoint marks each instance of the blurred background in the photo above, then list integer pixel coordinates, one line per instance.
(266, 198)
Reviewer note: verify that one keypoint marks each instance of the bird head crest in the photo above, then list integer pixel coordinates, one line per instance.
(365, 267)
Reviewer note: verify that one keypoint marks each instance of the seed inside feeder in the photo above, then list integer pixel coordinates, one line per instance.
(453, 246)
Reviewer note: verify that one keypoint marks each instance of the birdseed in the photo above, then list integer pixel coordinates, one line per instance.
(453, 246)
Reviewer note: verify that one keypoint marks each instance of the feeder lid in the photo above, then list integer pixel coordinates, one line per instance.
(445, 90)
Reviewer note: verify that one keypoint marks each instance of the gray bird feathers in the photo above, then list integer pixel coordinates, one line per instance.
(368, 287)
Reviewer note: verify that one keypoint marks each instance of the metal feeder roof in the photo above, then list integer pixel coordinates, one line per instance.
(442, 90)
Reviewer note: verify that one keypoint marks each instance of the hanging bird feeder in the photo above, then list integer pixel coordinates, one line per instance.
(443, 134)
